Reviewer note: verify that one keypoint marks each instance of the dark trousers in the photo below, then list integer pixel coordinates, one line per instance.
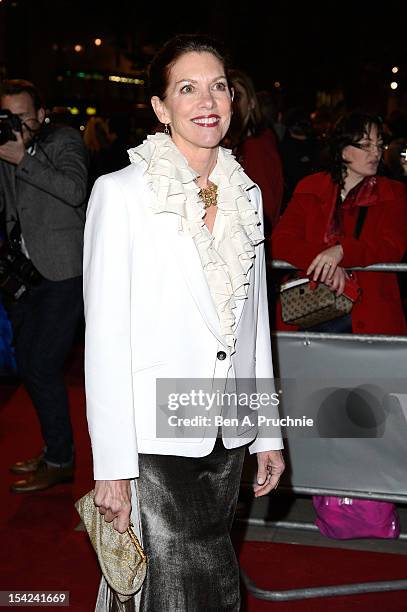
(341, 325)
(44, 325)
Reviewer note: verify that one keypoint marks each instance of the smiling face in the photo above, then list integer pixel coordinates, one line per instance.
(363, 159)
(197, 102)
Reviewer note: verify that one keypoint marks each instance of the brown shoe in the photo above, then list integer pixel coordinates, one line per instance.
(44, 477)
(30, 465)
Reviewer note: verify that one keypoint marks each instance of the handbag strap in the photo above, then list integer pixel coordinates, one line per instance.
(362, 212)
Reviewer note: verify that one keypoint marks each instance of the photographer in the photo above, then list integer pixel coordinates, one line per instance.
(43, 179)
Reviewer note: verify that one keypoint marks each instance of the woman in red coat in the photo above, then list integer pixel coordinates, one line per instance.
(316, 232)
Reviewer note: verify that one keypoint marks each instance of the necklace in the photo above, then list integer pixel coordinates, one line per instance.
(209, 195)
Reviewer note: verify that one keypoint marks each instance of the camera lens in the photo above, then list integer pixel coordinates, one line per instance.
(6, 133)
(8, 123)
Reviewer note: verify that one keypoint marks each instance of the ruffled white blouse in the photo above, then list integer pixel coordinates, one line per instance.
(228, 253)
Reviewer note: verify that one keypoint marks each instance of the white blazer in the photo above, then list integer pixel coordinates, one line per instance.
(149, 314)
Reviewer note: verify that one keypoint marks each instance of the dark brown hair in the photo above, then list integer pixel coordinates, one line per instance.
(253, 124)
(349, 129)
(173, 49)
(13, 87)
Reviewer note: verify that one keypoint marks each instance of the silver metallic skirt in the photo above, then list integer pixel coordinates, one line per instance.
(186, 507)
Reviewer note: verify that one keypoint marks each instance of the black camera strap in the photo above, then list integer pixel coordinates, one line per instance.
(15, 235)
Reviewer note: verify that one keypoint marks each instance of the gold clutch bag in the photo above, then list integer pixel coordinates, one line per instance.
(122, 560)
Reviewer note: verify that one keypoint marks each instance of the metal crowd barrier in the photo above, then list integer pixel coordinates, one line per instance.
(355, 387)
(277, 264)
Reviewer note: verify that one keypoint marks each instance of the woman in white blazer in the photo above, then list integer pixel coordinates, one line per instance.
(175, 289)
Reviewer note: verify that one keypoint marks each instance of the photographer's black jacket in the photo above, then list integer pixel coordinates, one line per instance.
(47, 191)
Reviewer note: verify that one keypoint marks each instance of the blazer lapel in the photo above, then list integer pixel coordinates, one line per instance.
(189, 263)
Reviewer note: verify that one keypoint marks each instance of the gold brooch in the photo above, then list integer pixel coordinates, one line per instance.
(209, 195)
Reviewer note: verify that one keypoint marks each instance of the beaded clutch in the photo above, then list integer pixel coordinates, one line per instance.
(122, 559)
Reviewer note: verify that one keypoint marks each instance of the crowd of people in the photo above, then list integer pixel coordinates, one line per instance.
(175, 287)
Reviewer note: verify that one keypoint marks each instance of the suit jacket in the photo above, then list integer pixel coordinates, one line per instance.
(47, 191)
(299, 237)
(149, 314)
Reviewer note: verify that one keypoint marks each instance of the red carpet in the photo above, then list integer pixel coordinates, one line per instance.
(42, 551)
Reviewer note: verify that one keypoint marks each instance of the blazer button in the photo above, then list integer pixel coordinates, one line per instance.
(221, 355)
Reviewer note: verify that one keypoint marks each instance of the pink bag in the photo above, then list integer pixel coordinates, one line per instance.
(344, 518)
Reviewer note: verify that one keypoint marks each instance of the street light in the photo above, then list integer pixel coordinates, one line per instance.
(394, 85)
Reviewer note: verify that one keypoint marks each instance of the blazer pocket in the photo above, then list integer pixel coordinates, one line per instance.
(148, 366)
(66, 228)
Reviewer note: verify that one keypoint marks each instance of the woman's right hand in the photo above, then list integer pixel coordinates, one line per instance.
(113, 498)
(337, 282)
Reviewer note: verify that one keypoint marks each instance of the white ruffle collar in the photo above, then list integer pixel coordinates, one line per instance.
(174, 185)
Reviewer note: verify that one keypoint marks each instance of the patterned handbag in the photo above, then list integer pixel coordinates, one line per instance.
(305, 303)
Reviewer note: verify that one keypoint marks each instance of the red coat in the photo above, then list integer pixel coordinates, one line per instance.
(299, 237)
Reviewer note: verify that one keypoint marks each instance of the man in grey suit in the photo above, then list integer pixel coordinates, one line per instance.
(43, 184)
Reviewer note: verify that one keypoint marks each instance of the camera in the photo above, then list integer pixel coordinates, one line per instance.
(9, 123)
(17, 273)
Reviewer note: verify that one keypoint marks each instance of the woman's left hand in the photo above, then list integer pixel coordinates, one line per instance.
(324, 265)
(113, 498)
(270, 467)
(337, 282)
